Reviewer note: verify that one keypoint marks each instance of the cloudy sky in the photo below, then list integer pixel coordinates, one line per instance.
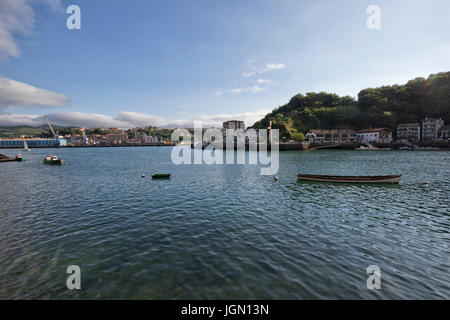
(167, 63)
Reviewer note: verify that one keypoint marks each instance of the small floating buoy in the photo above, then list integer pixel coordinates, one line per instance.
(426, 182)
(276, 179)
(143, 175)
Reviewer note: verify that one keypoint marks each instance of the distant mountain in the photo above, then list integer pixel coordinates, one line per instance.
(376, 107)
(17, 131)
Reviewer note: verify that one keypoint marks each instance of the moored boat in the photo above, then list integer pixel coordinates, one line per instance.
(53, 160)
(350, 179)
(4, 158)
(161, 176)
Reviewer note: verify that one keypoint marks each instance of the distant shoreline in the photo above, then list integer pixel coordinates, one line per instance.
(173, 145)
(91, 146)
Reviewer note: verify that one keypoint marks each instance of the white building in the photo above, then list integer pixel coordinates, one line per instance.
(331, 136)
(430, 128)
(377, 135)
(444, 133)
(153, 139)
(145, 139)
(234, 125)
(408, 131)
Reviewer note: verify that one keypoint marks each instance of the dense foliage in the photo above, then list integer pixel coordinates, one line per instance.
(153, 132)
(376, 107)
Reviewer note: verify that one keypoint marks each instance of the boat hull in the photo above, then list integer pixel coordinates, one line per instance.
(161, 176)
(54, 162)
(11, 160)
(393, 179)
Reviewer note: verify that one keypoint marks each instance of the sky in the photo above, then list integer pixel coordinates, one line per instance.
(167, 63)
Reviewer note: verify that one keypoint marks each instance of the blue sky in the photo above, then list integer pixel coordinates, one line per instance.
(166, 63)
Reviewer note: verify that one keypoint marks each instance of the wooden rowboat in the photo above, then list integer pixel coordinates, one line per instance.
(350, 179)
(11, 159)
(161, 176)
(16, 159)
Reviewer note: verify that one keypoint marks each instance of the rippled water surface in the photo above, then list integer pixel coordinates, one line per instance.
(223, 231)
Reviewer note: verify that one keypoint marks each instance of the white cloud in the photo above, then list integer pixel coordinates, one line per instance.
(261, 70)
(86, 120)
(7, 119)
(254, 89)
(19, 94)
(262, 81)
(126, 119)
(17, 17)
(248, 117)
(248, 74)
(251, 61)
(274, 66)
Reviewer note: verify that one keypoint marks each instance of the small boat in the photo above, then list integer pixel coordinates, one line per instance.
(16, 159)
(350, 179)
(25, 146)
(53, 160)
(4, 158)
(161, 176)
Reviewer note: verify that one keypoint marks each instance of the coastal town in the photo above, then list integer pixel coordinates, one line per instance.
(429, 132)
(218, 158)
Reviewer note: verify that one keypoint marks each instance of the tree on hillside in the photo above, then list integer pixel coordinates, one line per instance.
(385, 106)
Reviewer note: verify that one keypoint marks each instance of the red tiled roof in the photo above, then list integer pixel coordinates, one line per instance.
(372, 130)
(332, 131)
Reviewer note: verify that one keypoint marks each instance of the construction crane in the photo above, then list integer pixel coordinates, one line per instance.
(55, 134)
(51, 128)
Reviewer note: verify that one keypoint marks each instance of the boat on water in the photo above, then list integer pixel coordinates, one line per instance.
(53, 160)
(161, 176)
(4, 158)
(393, 179)
(25, 146)
(16, 159)
(372, 148)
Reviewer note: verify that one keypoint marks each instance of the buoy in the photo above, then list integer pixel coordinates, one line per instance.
(143, 176)
(426, 182)
(276, 179)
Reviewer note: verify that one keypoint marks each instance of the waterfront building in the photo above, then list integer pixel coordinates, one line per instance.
(145, 139)
(430, 128)
(408, 131)
(118, 137)
(234, 125)
(444, 133)
(75, 140)
(153, 140)
(331, 136)
(33, 142)
(141, 136)
(133, 141)
(96, 139)
(377, 135)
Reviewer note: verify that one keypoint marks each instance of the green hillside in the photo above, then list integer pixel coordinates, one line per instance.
(376, 107)
(40, 131)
